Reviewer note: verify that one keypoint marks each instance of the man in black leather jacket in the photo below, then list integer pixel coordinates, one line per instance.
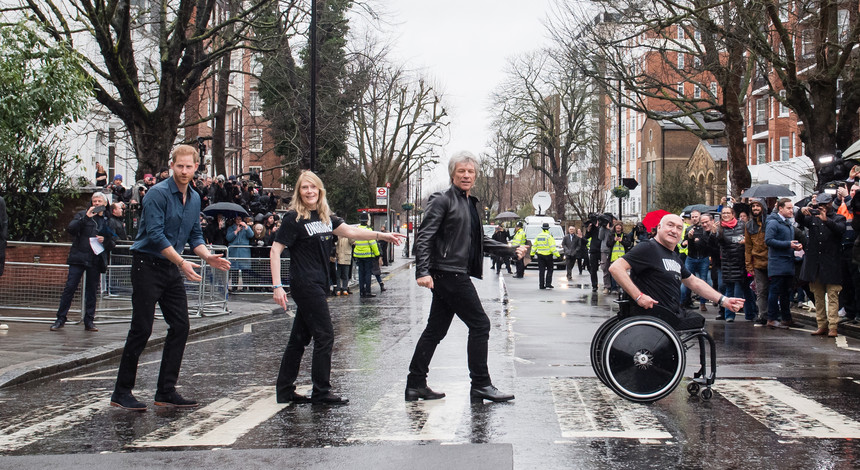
(448, 250)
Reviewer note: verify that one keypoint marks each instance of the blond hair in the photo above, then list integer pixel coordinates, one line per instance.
(299, 206)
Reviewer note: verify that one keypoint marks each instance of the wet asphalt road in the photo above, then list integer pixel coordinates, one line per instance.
(783, 399)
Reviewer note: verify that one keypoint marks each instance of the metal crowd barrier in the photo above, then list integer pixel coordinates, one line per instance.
(254, 275)
(33, 290)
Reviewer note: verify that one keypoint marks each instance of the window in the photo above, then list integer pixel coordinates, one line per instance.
(807, 45)
(681, 88)
(760, 153)
(714, 90)
(697, 92)
(783, 109)
(681, 60)
(761, 110)
(255, 140)
(680, 32)
(698, 36)
(255, 106)
(784, 149)
(633, 152)
(697, 62)
(256, 65)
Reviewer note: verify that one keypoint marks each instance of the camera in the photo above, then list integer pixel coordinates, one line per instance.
(98, 209)
(813, 212)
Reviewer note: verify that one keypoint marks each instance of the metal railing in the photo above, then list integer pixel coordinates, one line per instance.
(253, 275)
(30, 292)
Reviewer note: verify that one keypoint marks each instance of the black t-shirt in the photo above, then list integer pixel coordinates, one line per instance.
(310, 242)
(657, 271)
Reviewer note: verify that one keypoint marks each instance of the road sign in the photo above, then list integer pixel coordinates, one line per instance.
(381, 201)
(381, 192)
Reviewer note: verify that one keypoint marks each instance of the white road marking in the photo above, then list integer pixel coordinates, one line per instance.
(786, 412)
(220, 423)
(393, 419)
(47, 421)
(587, 408)
(523, 361)
(842, 342)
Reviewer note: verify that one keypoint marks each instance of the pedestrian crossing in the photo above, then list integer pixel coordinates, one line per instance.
(582, 408)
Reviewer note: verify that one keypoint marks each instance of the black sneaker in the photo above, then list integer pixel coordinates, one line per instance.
(174, 400)
(127, 401)
(57, 325)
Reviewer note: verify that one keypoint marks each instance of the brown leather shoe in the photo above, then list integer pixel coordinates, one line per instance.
(703, 308)
(775, 324)
(833, 333)
(819, 332)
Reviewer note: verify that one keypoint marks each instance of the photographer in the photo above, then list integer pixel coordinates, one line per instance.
(619, 244)
(849, 298)
(218, 191)
(88, 255)
(823, 253)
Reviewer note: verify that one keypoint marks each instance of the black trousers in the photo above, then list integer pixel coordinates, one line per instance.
(453, 294)
(76, 271)
(545, 269)
(569, 263)
(593, 267)
(155, 280)
(312, 321)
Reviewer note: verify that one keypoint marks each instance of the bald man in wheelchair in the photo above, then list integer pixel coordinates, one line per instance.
(652, 273)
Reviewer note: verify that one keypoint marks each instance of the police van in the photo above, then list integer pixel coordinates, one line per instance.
(534, 226)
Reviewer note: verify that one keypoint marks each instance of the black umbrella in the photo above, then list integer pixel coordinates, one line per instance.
(227, 209)
(768, 190)
(699, 207)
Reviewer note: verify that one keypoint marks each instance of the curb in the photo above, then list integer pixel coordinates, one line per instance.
(108, 351)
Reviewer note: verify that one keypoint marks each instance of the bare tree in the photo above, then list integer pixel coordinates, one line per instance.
(545, 109)
(397, 126)
(685, 62)
(144, 63)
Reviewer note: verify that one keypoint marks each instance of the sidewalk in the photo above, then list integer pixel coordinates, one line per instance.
(30, 351)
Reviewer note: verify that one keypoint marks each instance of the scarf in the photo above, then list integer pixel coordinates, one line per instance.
(729, 224)
(753, 226)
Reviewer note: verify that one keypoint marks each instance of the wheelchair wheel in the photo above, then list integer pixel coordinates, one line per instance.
(597, 343)
(643, 359)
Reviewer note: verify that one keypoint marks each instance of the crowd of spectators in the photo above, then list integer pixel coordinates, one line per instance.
(767, 251)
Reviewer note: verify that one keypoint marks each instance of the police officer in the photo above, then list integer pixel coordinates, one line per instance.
(544, 247)
(519, 240)
(365, 254)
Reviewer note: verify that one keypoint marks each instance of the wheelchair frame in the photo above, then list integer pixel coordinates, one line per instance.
(641, 355)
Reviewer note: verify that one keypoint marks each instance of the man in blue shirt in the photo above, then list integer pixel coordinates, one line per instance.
(170, 218)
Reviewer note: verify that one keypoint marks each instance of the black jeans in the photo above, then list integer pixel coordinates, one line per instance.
(545, 268)
(312, 321)
(453, 294)
(155, 280)
(76, 271)
(593, 267)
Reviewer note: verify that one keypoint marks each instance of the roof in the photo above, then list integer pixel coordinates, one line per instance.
(719, 153)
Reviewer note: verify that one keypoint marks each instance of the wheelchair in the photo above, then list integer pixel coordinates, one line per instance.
(641, 354)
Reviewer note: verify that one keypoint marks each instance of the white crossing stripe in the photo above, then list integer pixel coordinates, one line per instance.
(46, 421)
(786, 412)
(393, 419)
(219, 424)
(587, 408)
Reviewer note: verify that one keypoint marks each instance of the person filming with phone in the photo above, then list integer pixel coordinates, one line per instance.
(92, 242)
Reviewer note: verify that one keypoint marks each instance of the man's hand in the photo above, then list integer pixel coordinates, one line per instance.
(646, 302)
(217, 262)
(522, 250)
(795, 245)
(100, 238)
(822, 214)
(425, 281)
(187, 268)
(733, 303)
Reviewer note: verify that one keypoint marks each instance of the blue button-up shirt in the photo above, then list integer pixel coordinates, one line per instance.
(165, 221)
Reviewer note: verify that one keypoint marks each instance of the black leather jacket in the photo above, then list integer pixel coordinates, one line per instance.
(445, 237)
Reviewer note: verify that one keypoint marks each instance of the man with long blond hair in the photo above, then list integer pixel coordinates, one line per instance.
(308, 229)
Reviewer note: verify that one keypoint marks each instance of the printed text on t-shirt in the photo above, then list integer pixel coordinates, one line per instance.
(672, 265)
(316, 227)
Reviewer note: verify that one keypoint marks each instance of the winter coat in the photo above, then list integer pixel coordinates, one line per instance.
(82, 228)
(732, 253)
(756, 247)
(824, 250)
(778, 236)
(570, 245)
(239, 246)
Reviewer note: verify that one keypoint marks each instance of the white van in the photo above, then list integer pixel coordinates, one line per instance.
(533, 228)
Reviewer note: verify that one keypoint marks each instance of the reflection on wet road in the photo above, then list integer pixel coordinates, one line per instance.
(782, 398)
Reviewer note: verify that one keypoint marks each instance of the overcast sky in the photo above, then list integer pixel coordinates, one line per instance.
(464, 45)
